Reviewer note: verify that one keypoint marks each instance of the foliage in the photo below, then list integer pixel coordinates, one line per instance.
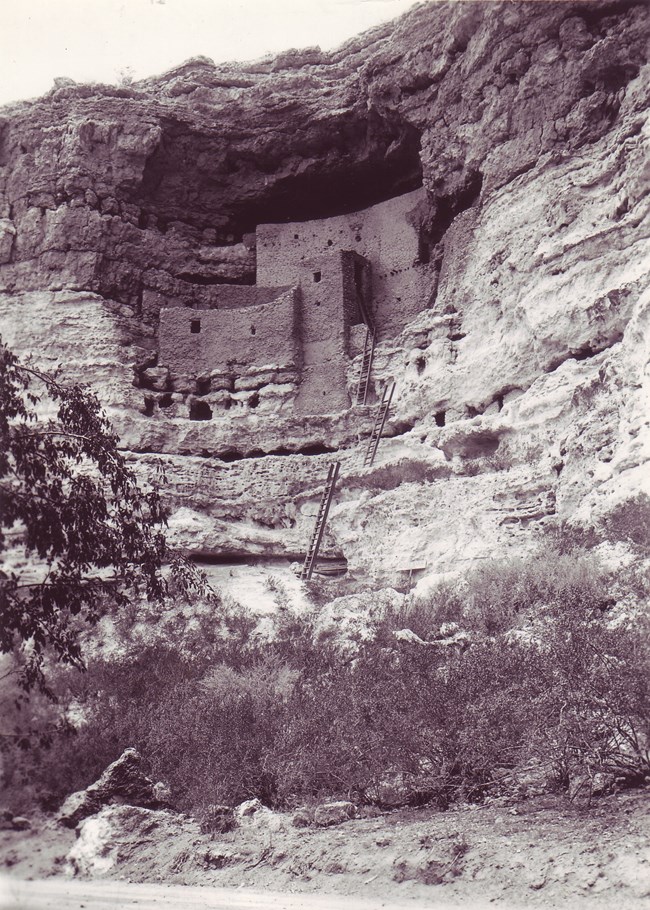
(77, 532)
(630, 522)
(297, 717)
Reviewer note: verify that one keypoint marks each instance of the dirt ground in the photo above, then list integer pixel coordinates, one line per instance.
(544, 852)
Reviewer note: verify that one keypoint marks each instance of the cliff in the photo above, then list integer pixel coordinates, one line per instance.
(511, 285)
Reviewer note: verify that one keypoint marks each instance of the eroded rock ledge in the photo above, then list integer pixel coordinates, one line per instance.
(519, 361)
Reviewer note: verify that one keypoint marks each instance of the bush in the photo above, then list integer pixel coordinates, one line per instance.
(297, 717)
(630, 522)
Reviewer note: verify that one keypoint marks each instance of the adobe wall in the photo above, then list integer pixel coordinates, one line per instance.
(258, 336)
(322, 335)
(213, 297)
(328, 308)
(384, 234)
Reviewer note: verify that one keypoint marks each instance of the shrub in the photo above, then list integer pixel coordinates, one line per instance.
(296, 717)
(630, 522)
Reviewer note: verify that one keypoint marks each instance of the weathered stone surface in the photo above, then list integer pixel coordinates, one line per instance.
(7, 236)
(122, 782)
(11, 822)
(521, 385)
(119, 834)
(303, 817)
(334, 813)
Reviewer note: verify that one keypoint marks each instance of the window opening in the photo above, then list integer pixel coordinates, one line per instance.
(200, 410)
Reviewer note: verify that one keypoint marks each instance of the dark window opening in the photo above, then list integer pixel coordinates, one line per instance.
(330, 242)
(203, 385)
(254, 400)
(295, 236)
(440, 419)
(200, 410)
(148, 406)
(317, 276)
(253, 330)
(165, 401)
(195, 326)
(420, 364)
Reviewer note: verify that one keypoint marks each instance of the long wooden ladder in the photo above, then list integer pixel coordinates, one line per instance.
(366, 365)
(378, 428)
(319, 527)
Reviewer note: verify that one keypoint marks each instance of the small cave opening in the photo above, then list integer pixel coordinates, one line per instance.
(254, 400)
(317, 276)
(316, 448)
(360, 163)
(207, 280)
(200, 410)
(331, 566)
(583, 353)
(440, 418)
(446, 208)
(195, 326)
(420, 365)
(203, 385)
(148, 406)
(166, 400)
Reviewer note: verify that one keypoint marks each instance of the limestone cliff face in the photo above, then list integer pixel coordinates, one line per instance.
(520, 354)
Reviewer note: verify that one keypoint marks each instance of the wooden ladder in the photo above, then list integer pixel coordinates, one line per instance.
(378, 429)
(319, 528)
(366, 366)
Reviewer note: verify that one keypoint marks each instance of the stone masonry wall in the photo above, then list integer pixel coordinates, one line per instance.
(259, 336)
(384, 234)
(212, 297)
(323, 336)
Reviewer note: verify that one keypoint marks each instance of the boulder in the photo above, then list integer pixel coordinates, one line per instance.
(118, 835)
(218, 820)
(7, 237)
(303, 817)
(334, 813)
(254, 814)
(583, 785)
(248, 809)
(123, 782)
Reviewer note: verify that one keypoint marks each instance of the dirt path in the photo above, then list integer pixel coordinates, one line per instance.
(110, 895)
(57, 894)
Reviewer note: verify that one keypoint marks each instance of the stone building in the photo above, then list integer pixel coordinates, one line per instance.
(319, 284)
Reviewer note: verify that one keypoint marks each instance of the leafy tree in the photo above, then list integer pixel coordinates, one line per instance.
(76, 530)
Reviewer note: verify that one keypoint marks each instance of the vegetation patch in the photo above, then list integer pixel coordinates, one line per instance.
(551, 680)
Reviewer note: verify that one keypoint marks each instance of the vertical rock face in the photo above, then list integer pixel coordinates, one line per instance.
(512, 138)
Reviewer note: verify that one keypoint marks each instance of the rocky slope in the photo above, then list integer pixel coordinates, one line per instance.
(522, 386)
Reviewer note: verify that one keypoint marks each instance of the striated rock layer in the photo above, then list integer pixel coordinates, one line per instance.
(520, 349)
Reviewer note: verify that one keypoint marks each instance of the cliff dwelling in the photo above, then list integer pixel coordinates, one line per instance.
(320, 285)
